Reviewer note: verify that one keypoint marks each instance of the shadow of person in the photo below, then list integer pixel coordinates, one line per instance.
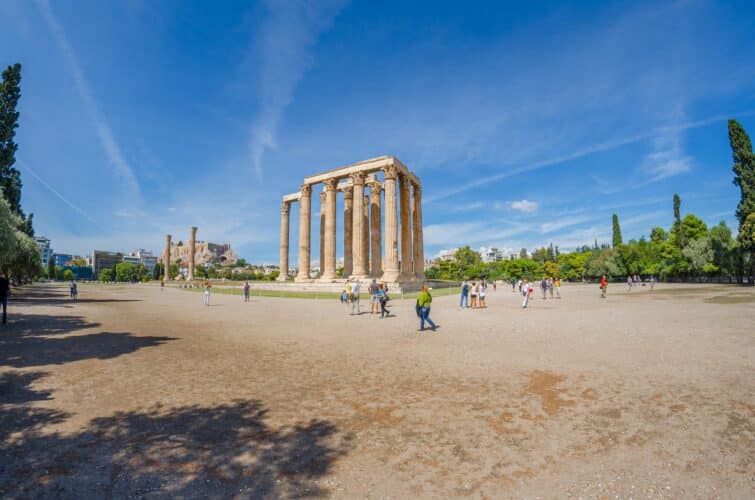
(220, 451)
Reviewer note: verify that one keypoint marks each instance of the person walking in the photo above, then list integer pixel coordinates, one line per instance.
(355, 289)
(557, 286)
(374, 304)
(162, 285)
(424, 302)
(652, 283)
(550, 287)
(382, 295)
(513, 286)
(247, 289)
(207, 287)
(473, 295)
(544, 286)
(4, 293)
(481, 295)
(464, 300)
(74, 291)
(629, 283)
(603, 287)
(525, 294)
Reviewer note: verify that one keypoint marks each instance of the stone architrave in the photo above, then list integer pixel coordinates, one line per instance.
(192, 251)
(322, 233)
(390, 265)
(418, 244)
(376, 243)
(329, 269)
(166, 260)
(406, 230)
(360, 268)
(305, 214)
(348, 222)
(285, 209)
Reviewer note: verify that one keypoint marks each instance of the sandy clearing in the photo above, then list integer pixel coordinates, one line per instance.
(138, 392)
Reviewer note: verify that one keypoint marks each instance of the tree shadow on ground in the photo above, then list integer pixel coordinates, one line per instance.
(49, 295)
(28, 342)
(15, 391)
(222, 451)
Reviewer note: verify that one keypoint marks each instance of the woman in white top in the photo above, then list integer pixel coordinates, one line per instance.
(483, 292)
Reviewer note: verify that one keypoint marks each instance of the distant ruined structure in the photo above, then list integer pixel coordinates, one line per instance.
(196, 253)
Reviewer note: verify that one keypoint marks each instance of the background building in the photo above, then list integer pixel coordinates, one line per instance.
(104, 260)
(61, 259)
(491, 254)
(45, 252)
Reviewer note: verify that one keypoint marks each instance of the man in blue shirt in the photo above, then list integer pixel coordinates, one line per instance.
(464, 301)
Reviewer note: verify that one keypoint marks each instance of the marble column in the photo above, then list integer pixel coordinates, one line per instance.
(285, 209)
(406, 230)
(348, 204)
(322, 233)
(390, 266)
(360, 268)
(418, 243)
(166, 260)
(376, 243)
(366, 235)
(329, 272)
(305, 212)
(192, 250)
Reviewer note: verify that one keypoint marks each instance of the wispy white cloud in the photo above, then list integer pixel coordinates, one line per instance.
(525, 206)
(563, 222)
(667, 159)
(104, 132)
(54, 191)
(285, 47)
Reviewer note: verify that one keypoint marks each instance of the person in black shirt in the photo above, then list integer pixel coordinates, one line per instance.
(4, 292)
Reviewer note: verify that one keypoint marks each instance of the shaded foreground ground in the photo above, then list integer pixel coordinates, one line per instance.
(138, 392)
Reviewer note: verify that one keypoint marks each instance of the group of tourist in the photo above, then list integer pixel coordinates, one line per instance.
(378, 297)
(634, 280)
(473, 295)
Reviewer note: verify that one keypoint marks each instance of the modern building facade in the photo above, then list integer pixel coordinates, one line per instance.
(102, 259)
(491, 254)
(45, 251)
(61, 259)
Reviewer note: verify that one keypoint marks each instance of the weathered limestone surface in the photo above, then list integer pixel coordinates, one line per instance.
(166, 259)
(192, 251)
(390, 266)
(376, 243)
(348, 233)
(305, 210)
(418, 244)
(285, 209)
(364, 255)
(406, 235)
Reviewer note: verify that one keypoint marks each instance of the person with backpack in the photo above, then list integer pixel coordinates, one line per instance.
(4, 293)
(383, 299)
(424, 302)
(464, 300)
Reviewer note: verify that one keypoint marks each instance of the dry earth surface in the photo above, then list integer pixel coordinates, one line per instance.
(134, 392)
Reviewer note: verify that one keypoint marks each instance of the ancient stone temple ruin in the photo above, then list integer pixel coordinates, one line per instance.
(367, 199)
(195, 253)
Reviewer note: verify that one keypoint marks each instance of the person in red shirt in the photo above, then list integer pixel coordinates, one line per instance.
(603, 287)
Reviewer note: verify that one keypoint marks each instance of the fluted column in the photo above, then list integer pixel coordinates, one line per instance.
(418, 243)
(360, 268)
(366, 235)
(166, 260)
(322, 233)
(192, 250)
(390, 266)
(305, 211)
(285, 209)
(376, 244)
(330, 230)
(348, 204)
(406, 234)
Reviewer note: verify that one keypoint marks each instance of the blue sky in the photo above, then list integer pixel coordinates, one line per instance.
(526, 125)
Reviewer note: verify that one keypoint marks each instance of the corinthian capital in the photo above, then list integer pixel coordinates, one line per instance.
(358, 178)
(306, 190)
(391, 172)
(331, 184)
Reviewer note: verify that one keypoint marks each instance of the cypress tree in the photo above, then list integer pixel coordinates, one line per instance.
(744, 177)
(676, 230)
(616, 232)
(10, 178)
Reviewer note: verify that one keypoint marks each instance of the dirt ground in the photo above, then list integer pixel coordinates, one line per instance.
(137, 392)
